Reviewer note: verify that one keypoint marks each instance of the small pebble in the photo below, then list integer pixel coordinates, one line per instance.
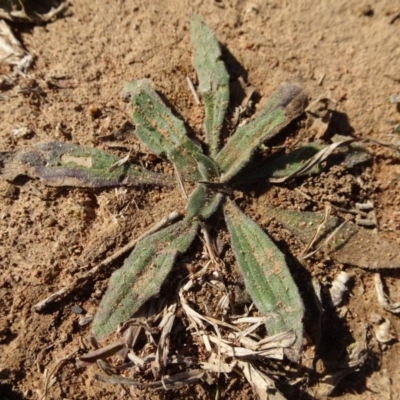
(85, 320)
(76, 309)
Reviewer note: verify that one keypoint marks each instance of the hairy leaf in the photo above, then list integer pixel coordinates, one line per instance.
(266, 275)
(285, 105)
(213, 79)
(164, 133)
(142, 275)
(63, 164)
(278, 166)
(291, 164)
(343, 242)
(203, 203)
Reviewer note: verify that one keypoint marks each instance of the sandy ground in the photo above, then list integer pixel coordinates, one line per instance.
(347, 48)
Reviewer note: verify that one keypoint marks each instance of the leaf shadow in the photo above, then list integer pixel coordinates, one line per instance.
(339, 123)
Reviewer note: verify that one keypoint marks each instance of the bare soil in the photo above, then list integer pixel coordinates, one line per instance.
(348, 48)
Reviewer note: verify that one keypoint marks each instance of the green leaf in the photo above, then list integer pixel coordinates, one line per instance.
(285, 165)
(202, 203)
(142, 275)
(289, 163)
(278, 166)
(164, 133)
(286, 104)
(63, 164)
(266, 276)
(213, 79)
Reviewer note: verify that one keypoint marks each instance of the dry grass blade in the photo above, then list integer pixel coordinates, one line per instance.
(30, 14)
(261, 383)
(103, 352)
(164, 343)
(230, 350)
(119, 380)
(55, 370)
(197, 319)
(252, 328)
(318, 231)
(326, 241)
(283, 339)
(383, 298)
(119, 163)
(381, 327)
(213, 364)
(168, 382)
(179, 380)
(11, 50)
(339, 288)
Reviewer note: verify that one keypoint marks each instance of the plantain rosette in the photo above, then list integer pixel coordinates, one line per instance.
(260, 262)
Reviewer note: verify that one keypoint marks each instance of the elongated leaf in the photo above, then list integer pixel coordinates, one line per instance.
(289, 163)
(142, 275)
(203, 203)
(266, 276)
(213, 79)
(350, 244)
(63, 164)
(292, 164)
(285, 105)
(280, 165)
(164, 133)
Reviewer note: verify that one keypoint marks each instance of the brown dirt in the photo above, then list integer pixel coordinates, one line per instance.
(48, 235)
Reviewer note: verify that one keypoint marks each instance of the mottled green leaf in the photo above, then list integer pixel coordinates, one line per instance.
(213, 79)
(164, 133)
(350, 244)
(63, 164)
(203, 202)
(281, 165)
(286, 104)
(266, 275)
(286, 165)
(142, 275)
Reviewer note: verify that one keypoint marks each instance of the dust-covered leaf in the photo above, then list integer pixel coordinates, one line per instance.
(213, 79)
(63, 164)
(344, 242)
(266, 276)
(164, 133)
(142, 275)
(286, 104)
